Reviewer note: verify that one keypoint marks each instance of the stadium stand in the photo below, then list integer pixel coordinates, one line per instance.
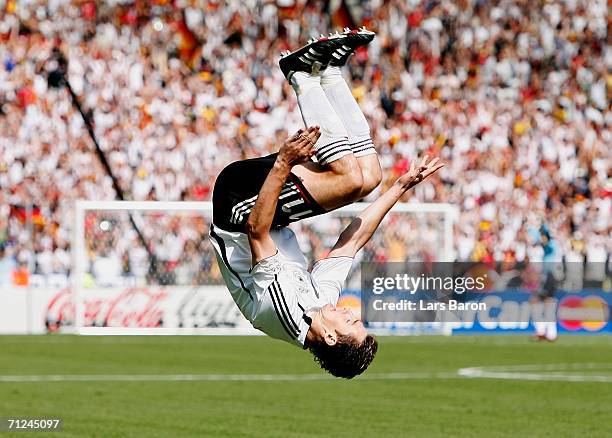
(514, 95)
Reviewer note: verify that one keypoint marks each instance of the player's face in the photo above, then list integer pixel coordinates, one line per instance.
(344, 322)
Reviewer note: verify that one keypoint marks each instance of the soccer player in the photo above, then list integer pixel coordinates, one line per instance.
(253, 201)
(543, 297)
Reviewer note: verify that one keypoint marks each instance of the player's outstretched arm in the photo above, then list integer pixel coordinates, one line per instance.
(363, 226)
(295, 150)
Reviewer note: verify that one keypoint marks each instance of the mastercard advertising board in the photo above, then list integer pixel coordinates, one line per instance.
(466, 297)
(586, 312)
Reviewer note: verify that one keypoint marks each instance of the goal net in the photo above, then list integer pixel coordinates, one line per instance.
(149, 268)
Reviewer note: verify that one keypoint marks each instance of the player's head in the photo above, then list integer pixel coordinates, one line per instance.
(341, 344)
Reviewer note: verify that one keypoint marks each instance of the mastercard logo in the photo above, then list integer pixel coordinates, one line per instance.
(590, 313)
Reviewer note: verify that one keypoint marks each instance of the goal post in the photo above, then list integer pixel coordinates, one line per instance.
(116, 288)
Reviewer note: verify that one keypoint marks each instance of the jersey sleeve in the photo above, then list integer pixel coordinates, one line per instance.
(330, 276)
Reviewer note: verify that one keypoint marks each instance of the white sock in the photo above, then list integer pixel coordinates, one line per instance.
(342, 100)
(551, 330)
(540, 328)
(317, 110)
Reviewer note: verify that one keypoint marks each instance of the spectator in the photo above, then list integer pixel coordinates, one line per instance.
(513, 95)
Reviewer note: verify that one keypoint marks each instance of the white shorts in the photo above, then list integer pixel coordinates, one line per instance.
(327, 277)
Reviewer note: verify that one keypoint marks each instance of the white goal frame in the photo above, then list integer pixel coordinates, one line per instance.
(448, 211)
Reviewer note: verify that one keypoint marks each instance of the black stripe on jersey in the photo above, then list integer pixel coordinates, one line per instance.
(313, 287)
(279, 293)
(221, 244)
(278, 314)
(283, 306)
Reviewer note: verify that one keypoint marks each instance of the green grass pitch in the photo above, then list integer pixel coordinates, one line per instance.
(430, 400)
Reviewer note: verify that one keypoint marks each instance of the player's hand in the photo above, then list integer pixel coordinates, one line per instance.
(417, 174)
(299, 147)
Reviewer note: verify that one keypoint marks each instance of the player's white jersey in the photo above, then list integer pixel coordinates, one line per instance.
(276, 294)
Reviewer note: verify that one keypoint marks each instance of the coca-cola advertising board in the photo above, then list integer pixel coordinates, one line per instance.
(42, 310)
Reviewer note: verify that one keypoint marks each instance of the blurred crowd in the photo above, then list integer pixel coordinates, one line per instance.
(512, 94)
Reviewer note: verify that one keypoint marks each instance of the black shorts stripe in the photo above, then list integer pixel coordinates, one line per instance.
(242, 180)
(246, 209)
(278, 314)
(221, 244)
(279, 293)
(243, 205)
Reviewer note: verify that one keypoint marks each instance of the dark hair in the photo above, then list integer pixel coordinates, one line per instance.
(346, 358)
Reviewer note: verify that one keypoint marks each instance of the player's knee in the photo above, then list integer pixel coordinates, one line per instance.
(348, 169)
(372, 176)
(354, 184)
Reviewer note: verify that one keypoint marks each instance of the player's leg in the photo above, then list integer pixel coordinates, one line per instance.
(336, 178)
(539, 323)
(342, 101)
(348, 112)
(550, 332)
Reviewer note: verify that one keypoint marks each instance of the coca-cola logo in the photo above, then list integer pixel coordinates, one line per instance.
(134, 307)
(200, 309)
(60, 311)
